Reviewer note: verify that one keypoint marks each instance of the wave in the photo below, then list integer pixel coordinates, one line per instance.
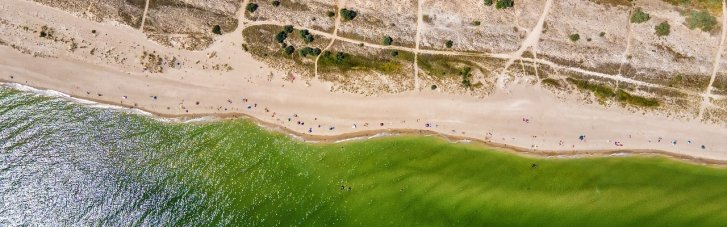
(98, 105)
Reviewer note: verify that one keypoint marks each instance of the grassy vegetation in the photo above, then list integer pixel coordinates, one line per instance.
(662, 29)
(713, 6)
(344, 62)
(552, 82)
(604, 93)
(701, 20)
(263, 179)
(440, 66)
(639, 16)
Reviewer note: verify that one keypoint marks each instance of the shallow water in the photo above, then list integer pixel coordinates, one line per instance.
(66, 163)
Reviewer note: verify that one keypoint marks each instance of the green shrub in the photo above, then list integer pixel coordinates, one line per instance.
(466, 76)
(701, 20)
(281, 36)
(488, 2)
(288, 28)
(449, 44)
(348, 14)
(662, 29)
(639, 16)
(276, 3)
(306, 36)
(217, 30)
(307, 51)
(251, 7)
(289, 50)
(574, 37)
(331, 14)
(387, 40)
(504, 4)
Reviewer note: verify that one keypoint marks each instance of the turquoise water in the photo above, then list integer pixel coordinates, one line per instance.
(63, 163)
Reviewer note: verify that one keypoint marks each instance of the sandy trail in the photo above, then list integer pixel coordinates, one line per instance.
(340, 4)
(418, 38)
(555, 122)
(143, 16)
(533, 36)
(706, 102)
(624, 56)
(510, 57)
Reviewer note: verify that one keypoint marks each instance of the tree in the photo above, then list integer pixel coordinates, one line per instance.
(639, 16)
(276, 3)
(217, 29)
(504, 4)
(662, 29)
(574, 37)
(289, 50)
(488, 2)
(306, 36)
(309, 51)
(348, 14)
(288, 28)
(449, 43)
(251, 7)
(340, 57)
(281, 36)
(387, 40)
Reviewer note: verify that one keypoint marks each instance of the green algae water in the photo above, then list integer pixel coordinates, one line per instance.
(64, 163)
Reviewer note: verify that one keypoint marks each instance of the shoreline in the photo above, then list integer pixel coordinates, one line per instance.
(359, 135)
(519, 115)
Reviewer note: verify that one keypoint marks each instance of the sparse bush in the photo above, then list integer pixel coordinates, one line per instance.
(449, 44)
(434, 87)
(488, 2)
(602, 34)
(348, 14)
(701, 20)
(639, 16)
(662, 29)
(217, 30)
(276, 3)
(331, 14)
(476, 23)
(306, 36)
(281, 36)
(387, 40)
(504, 4)
(251, 7)
(394, 53)
(288, 28)
(289, 50)
(574, 37)
(43, 34)
(306, 51)
(466, 75)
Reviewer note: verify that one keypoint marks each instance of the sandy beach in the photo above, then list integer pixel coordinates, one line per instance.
(522, 116)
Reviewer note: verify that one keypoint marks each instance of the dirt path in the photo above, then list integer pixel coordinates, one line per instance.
(339, 5)
(418, 38)
(706, 102)
(625, 55)
(533, 36)
(511, 57)
(143, 17)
